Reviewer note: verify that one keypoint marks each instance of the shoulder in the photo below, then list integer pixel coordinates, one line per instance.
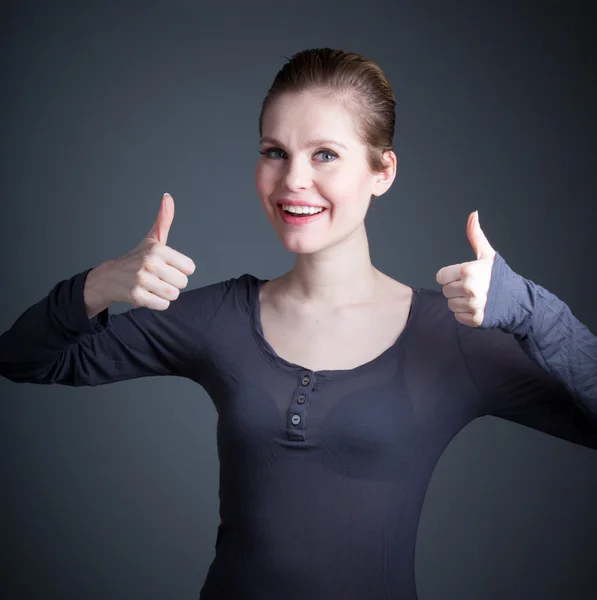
(209, 296)
(433, 320)
(432, 307)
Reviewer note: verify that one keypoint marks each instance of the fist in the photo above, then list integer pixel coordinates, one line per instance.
(466, 285)
(152, 274)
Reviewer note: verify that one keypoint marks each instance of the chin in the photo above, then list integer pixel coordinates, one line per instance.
(302, 244)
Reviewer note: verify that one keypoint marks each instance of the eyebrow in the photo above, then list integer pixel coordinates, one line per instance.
(309, 144)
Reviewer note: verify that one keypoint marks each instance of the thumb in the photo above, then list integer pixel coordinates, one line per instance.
(161, 227)
(477, 238)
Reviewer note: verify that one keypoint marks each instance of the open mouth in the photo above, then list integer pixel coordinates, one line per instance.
(297, 218)
(301, 211)
(301, 215)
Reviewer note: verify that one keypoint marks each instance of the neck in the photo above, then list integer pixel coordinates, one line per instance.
(336, 276)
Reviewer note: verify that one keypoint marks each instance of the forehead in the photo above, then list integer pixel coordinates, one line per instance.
(295, 118)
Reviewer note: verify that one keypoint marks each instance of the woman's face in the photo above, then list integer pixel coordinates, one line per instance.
(311, 155)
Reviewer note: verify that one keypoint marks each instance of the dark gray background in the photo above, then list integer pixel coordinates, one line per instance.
(111, 492)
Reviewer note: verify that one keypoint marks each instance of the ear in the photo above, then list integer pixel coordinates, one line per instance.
(385, 178)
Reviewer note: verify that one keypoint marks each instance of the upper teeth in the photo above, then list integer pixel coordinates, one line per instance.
(309, 210)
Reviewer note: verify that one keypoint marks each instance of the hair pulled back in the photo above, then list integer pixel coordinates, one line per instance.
(358, 83)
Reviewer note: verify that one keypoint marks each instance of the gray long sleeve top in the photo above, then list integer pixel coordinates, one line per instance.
(323, 474)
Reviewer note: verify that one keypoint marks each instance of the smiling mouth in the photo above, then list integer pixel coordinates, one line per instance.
(301, 215)
(293, 218)
(299, 211)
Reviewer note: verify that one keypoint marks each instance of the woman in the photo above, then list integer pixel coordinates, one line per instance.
(337, 388)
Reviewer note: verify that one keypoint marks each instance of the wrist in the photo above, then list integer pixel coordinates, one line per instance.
(94, 291)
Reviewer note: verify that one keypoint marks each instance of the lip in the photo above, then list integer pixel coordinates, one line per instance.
(291, 220)
(298, 203)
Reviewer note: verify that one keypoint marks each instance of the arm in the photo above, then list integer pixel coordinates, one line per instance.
(93, 294)
(514, 387)
(545, 329)
(54, 340)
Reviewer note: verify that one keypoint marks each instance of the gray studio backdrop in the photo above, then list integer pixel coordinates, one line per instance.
(111, 492)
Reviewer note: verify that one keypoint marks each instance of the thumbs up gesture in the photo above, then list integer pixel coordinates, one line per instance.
(152, 274)
(466, 285)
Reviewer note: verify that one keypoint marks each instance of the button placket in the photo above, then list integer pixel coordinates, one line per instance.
(297, 410)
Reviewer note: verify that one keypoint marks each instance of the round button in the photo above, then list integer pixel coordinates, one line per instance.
(306, 380)
(301, 399)
(296, 419)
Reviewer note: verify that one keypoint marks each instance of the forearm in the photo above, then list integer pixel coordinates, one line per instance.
(562, 345)
(546, 330)
(94, 291)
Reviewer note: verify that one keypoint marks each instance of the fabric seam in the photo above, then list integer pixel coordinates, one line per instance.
(196, 349)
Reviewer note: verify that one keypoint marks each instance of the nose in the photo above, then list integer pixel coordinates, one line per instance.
(298, 175)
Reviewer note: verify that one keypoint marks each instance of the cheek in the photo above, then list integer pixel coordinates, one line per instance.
(264, 185)
(344, 191)
(264, 177)
(259, 178)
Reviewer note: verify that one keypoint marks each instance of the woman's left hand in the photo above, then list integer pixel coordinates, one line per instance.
(466, 285)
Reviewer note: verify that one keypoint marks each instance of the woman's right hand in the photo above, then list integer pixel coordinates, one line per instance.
(150, 275)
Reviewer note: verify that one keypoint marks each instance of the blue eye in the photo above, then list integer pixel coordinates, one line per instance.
(332, 154)
(269, 151)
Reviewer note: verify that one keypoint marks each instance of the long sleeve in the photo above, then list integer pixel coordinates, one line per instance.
(514, 387)
(54, 341)
(545, 329)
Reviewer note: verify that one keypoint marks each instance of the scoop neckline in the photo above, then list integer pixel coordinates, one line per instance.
(279, 361)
